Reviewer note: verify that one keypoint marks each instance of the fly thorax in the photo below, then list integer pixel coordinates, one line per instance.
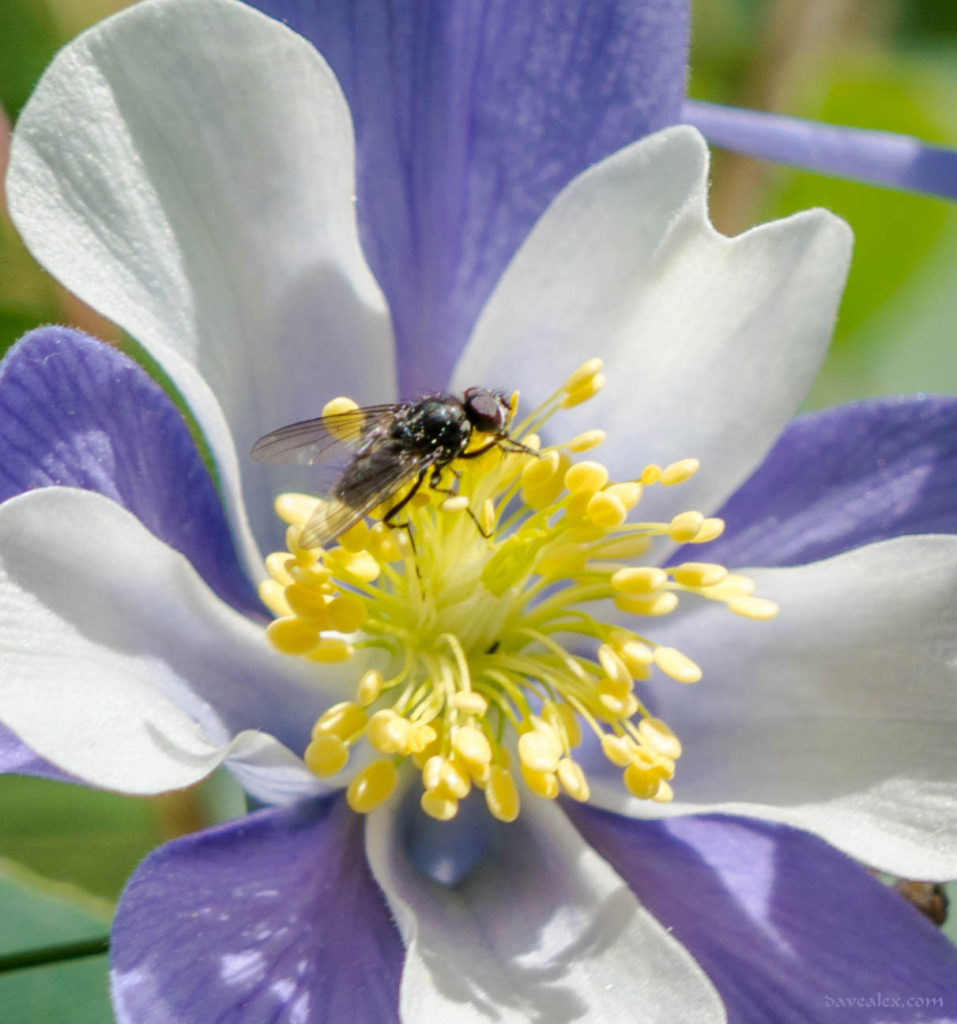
(485, 613)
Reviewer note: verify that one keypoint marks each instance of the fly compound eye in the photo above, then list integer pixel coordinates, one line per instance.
(486, 410)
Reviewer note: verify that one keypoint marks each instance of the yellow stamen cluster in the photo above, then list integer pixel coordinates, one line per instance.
(487, 655)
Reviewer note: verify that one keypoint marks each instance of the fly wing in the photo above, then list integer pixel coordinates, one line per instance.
(311, 441)
(370, 485)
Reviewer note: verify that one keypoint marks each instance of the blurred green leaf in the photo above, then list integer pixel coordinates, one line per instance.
(36, 915)
(74, 834)
(895, 233)
(30, 38)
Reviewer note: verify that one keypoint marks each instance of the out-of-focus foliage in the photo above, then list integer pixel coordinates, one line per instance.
(38, 915)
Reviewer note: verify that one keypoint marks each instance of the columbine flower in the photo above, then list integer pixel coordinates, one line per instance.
(187, 167)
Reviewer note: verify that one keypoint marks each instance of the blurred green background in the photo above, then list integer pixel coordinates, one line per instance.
(885, 64)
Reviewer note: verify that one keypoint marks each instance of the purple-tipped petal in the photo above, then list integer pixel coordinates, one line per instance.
(788, 929)
(881, 158)
(844, 477)
(273, 917)
(470, 117)
(75, 412)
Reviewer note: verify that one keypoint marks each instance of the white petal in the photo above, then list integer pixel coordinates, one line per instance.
(709, 343)
(202, 197)
(119, 665)
(543, 929)
(837, 716)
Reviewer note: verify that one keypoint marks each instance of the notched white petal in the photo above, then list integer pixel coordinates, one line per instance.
(836, 717)
(543, 929)
(709, 343)
(202, 197)
(120, 666)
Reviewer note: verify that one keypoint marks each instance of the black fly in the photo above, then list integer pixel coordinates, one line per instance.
(391, 447)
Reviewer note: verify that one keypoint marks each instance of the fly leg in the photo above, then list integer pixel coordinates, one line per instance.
(397, 508)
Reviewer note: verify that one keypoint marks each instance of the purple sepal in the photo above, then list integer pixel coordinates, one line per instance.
(470, 117)
(881, 158)
(76, 412)
(272, 917)
(841, 478)
(17, 758)
(787, 929)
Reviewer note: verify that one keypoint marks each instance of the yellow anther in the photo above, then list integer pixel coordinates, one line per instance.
(295, 509)
(308, 603)
(606, 510)
(685, 527)
(628, 493)
(698, 574)
(293, 635)
(421, 737)
(356, 538)
(537, 752)
(583, 374)
(638, 658)
(372, 786)
(501, 794)
(753, 608)
(644, 579)
(586, 441)
(543, 784)
(659, 737)
(454, 778)
(586, 476)
(614, 666)
(549, 485)
(617, 749)
(432, 771)
(564, 721)
(584, 392)
(640, 781)
(315, 575)
(360, 564)
(331, 649)
(343, 431)
(615, 700)
(438, 805)
(382, 545)
(343, 720)
(470, 702)
(455, 503)
(471, 744)
(677, 665)
(650, 474)
(662, 603)
(370, 686)
(278, 564)
(347, 612)
(665, 793)
(678, 472)
(273, 596)
(733, 585)
(326, 755)
(388, 732)
(538, 473)
(710, 529)
(573, 780)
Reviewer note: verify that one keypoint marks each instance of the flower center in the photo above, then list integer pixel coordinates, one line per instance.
(484, 611)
